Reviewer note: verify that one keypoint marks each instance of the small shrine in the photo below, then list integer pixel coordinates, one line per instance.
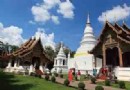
(60, 62)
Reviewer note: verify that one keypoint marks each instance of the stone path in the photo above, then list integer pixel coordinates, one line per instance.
(88, 85)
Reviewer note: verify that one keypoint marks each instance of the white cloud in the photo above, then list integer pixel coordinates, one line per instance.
(118, 13)
(66, 9)
(49, 4)
(55, 19)
(47, 39)
(11, 35)
(40, 14)
(43, 12)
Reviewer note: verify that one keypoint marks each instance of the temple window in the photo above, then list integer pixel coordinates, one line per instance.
(63, 62)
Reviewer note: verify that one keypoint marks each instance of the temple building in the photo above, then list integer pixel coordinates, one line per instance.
(30, 56)
(60, 62)
(113, 47)
(83, 60)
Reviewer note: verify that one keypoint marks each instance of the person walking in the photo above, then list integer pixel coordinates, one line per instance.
(70, 75)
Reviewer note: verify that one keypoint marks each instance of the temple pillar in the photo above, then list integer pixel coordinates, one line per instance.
(62, 62)
(15, 64)
(41, 67)
(104, 56)
(9, 64)
(55, 63)
(66, 62)
(8, 68)
(31, 69)
(120, 57)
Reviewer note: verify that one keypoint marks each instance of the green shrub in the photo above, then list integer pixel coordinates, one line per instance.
(66, 82)
(81, 86)
(39, 76)
(53, 79)
(99, 88)
(93, 80)
(61, 75)
(116, 81)
(56, 74)
(122, 84)
(32, 74)
(47, 77)
(107, 82)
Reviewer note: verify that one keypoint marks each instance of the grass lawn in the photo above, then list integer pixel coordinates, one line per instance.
(127, 84)
(19, 82)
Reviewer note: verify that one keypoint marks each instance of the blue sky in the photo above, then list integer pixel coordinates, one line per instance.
(18, 13)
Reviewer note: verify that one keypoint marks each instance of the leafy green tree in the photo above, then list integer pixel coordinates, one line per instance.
(50, 52)
(14, 48)
(72, 54)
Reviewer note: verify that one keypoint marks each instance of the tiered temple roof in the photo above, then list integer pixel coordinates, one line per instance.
(122, 32)
(27, 48)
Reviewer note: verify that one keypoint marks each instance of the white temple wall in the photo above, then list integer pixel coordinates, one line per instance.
(122, 73)
(71, 63)
(98, 62)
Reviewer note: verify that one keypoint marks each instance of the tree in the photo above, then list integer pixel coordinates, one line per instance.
(50, 52)
(72, 54)
(14, 48)
(10, 48)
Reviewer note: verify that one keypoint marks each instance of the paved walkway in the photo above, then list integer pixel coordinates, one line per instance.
(88, 85)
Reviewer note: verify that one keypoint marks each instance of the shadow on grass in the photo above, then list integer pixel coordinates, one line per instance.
(8, 82)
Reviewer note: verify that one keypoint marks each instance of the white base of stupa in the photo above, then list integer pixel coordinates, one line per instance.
(83, 63)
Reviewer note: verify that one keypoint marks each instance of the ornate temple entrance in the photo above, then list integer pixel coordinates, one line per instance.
(36, 62)
(114, 45)
(112, 57)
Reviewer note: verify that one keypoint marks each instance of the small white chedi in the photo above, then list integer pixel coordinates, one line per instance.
(83, 60)
(60, 62)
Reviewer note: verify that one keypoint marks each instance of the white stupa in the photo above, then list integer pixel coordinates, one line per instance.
(60, 62)
(82, 59)
(88, 40)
